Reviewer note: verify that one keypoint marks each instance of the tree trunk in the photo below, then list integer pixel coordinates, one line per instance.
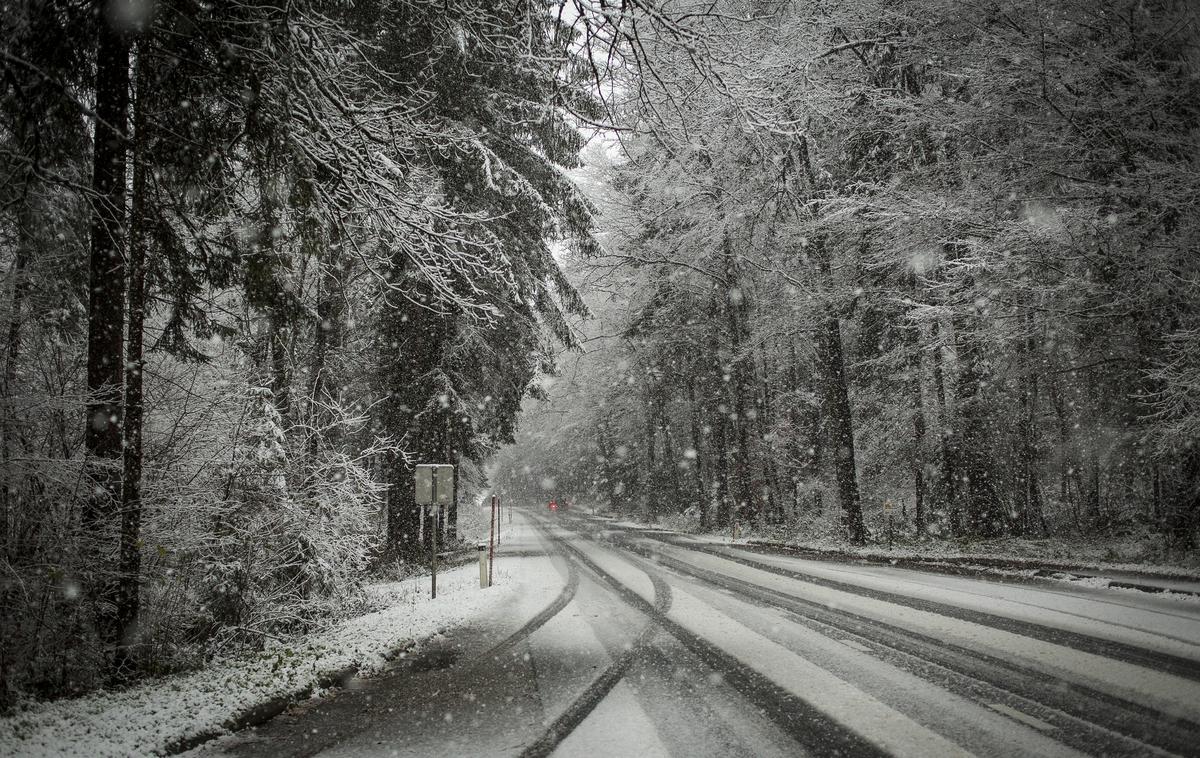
(773, 507)
(449, 521)
(131, 491)
(946, 414)
(326, 335)
(452, 509)
(724, 514)
(604, 444)
(280, 379)
(12, 353)
(984, 515)
(106, 299)
(841, 430)
(670, 467)
(1033, 516)
(1093, 488)
(697, 462)
(739, 384)
(918, 419)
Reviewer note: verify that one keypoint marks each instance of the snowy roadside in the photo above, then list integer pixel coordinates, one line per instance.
(170, 714)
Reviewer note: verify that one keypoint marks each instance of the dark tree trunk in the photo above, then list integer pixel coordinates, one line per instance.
(1156, 491)
(772, 507)
(918, 419)
(450, 454)
(280, 378)
(739, 384)
(697, 462)
(670, 469)
(1066, 457)
(1033, 516)
(452, 509)
(984, 515)
(12, 354)
(131, 491)
(946, 414)
(724, 514)
(615, 496)
(651, 430)
(327, 334)
(106, 298)
(1094, 507)
(841, 429)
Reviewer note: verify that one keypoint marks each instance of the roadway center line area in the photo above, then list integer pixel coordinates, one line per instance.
(639, 642)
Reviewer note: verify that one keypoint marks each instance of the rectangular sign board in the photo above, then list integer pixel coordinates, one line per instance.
(430, 474)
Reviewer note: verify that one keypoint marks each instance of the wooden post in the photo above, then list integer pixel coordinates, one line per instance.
(433, 544)
(483, 565)
(492, 541)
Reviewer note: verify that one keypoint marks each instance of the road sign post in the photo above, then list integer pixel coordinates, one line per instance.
(888, 506)
(492, 540)
(433, 547)
(434, 483)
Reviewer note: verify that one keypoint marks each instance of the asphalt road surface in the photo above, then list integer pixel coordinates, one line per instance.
(657, 644)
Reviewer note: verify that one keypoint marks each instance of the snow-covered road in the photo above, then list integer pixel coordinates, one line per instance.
(647, 643)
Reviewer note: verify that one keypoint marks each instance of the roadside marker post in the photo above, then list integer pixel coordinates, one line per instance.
(434, 483)
(492, 541)
(433, 549)
(483, 567)
(888, 506)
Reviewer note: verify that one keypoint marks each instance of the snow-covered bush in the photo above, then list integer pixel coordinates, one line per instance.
(288, 542)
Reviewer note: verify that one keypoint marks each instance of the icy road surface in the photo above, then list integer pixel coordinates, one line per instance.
(653, 644)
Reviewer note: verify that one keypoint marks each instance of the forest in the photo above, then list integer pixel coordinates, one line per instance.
(941, 257)
(748, 262)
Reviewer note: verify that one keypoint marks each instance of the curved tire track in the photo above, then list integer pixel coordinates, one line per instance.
(586, 702)
(796, 717)
(1152, 659)
(1096, 709)
(550, 611)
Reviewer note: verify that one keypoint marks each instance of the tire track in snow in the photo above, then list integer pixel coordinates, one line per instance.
(543, 616)
(1159, 661)
(1130, 723)
(586, 702)
(796, 717)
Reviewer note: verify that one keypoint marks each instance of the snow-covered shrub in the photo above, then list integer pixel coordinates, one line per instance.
(288, 542)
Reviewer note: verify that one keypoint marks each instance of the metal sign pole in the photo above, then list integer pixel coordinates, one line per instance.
(492, 541)
(433, 544)
(426, 495)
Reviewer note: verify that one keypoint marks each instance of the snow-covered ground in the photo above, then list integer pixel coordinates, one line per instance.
(156, 714)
